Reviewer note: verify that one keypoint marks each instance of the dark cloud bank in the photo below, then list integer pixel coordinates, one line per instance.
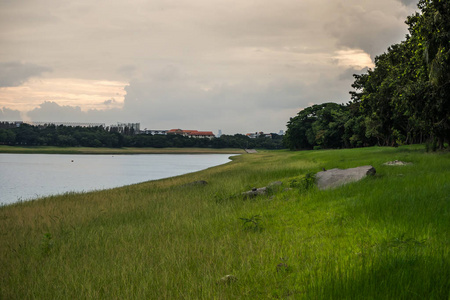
(16, 73)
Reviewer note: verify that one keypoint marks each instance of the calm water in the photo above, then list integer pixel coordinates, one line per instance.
(29, 176)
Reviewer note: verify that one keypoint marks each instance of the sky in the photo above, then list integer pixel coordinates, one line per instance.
(235, 65)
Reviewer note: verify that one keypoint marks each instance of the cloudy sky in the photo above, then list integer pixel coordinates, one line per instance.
(235, 65)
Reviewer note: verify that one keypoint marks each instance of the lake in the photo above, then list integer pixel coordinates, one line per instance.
(30, 176)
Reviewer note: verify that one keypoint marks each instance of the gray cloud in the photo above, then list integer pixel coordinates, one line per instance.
(16, 73)
(236, 65)
(348, 74)
(50, 111)
(409, 2)
(369, 27)
(127, 70)
(7, 114)
(110, 101)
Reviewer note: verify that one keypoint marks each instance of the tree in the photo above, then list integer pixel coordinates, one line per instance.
(320, 126)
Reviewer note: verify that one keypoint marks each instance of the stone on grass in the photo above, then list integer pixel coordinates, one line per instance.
(397, 163)
(337, 177)
(255, 192)
(251, 151)
(270, 188)
(227, 279)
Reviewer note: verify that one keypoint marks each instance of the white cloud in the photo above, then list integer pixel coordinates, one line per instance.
(353, 58)
(88, 94)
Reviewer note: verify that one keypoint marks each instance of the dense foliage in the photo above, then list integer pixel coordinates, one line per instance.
(405, 99)
(66, 136)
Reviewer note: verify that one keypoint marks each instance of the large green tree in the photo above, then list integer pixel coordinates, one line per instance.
(317, 126)
(406, 97)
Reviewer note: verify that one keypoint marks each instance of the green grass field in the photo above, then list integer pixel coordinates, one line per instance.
(385, 237)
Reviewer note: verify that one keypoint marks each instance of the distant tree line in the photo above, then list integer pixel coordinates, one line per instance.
(405, 99)
(67, 136)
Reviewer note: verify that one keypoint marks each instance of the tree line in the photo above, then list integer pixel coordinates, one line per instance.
(404, 99)
(68, 136)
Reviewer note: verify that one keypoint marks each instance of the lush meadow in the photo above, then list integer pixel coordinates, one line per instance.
(386, 237)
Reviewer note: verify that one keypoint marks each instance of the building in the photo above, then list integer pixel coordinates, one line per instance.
(65, 124)
(255, 135)
(153, 132)
(193, 133)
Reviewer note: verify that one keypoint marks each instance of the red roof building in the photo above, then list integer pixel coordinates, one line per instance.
(193, 133)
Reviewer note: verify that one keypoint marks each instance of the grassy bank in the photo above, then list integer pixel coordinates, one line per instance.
(125, 150)
(386, 237)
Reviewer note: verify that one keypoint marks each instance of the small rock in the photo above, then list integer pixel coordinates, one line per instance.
(228, 279)
(255, 192)
(251, 151)
(263, 190)
(397, 163)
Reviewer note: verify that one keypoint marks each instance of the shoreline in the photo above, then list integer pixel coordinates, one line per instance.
(125, 150)
(75, 163)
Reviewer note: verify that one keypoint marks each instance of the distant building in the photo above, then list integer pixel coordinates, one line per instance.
(259, 134)
(193, 133)
(153, 132)
(66, 124)
(220, 133)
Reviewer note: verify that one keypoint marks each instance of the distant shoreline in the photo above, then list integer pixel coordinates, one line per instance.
(125, 150)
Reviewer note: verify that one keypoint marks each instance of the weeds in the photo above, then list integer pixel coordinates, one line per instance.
(402, 242)
(253, 223)
(46, 243)
(303, 183)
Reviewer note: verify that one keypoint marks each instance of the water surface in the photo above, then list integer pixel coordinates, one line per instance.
(30, 176)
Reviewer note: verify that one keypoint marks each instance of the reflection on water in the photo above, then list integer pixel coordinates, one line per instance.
(29, 176)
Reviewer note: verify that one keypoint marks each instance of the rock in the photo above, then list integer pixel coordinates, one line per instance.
(255, 192)
(251, 151)
(397, 163)
(227, 279)
(337, 177)
(269, 189)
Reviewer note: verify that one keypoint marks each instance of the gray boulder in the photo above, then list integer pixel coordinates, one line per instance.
(336, 177)
(251, 151)
(397, 163)
(255, 192)
(269, 189)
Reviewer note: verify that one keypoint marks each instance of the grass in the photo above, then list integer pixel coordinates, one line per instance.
(385, 237)
(124, 150)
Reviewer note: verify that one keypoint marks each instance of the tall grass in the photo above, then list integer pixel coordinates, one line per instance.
(385, 237)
